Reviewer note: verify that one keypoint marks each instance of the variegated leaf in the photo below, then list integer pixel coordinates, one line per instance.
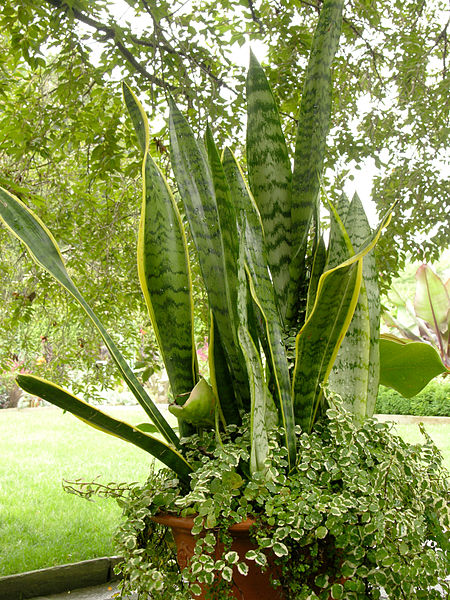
(26, 226)
(100, 420)
(259, 400)
(269, 173)
(262, 292)
(313, 127)
(349, 377)
(196, 186)
(319, 339)
(163, 266)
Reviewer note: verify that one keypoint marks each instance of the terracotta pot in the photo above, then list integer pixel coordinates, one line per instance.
(254, 586)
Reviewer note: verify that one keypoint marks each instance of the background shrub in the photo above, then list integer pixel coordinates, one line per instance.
(433, 400)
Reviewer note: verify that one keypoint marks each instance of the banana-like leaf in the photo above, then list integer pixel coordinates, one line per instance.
(196, 187)
(318, 341)
(269, 174)
(432, 300)
(432, 305)
(262, 292)
(26, 226)
(313, 127)
(408, 366)
(100, 420)
(163, 266)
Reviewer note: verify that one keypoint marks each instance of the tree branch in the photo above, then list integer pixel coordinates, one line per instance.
(255, 17)
(110, 33)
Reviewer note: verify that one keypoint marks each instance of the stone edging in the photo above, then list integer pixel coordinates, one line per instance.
(414, 419)
(58, 579)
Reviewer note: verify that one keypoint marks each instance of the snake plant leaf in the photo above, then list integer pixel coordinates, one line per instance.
(100, 420)
(29, 229)
(196, 187)
(163, 266)
(262, 292)
(319, 339)
(359, 230)
(269, 175)
(228, 225)
(220, 376)
(259, 400)
(408, 366)
(349, 377)
(320, 259)
(313, 127)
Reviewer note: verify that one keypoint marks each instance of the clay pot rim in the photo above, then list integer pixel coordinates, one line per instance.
(187, 523)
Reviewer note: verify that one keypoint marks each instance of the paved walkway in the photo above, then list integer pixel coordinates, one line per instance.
(107, 591)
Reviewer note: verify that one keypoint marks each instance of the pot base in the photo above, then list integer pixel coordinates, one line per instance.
(255, 585)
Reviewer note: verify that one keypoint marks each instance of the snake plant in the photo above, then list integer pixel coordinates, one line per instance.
(284, 306)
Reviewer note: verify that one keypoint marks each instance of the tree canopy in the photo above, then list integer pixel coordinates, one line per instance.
(68, 151)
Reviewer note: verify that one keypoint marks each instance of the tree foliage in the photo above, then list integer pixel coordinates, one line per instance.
(63, 138)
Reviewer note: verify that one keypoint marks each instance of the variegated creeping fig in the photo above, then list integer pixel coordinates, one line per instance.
(281, 432)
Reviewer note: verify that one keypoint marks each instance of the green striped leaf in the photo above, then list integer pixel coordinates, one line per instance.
(318, 341)
(100, 420)
(220, 376)
(262, 292)
(228, 227)
(163, 266)
(349, 377)
(28, 228)
(320, 259)
(269, 174)
(259, 401)
(313, 127)
(196, 186)
(359, 230)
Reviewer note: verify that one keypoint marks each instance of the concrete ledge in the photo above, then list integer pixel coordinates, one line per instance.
(58, 579)
(414, 419)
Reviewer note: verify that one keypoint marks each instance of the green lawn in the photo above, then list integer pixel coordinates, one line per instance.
(40, 524)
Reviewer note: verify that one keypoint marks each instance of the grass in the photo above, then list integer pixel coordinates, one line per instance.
(40, 524)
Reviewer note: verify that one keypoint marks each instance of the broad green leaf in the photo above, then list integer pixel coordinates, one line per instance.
(259, 394)
(163, 266)
(100, 420)
(408, 366)
(196, 187)
(26, 226)
(269, 174)
(262, 292)
(318, 341)
(313, 127)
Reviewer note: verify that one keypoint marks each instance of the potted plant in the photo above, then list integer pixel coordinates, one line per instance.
(276, 462)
